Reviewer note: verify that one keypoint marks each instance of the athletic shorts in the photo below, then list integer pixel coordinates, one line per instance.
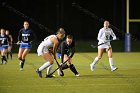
(4, 47)
(0, 48)
(42, 49)
(27, 46)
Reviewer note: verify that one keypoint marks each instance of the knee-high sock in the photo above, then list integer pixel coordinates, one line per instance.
(95, 61)
(111, 62)
(49, 70)
(45, 65)
(22, 63)
(73, 69)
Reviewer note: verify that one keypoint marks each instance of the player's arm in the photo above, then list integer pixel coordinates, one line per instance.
(55, 44)
(113, 35)
(11, 38)
(72, 49)
(19, 36)
(100, 36)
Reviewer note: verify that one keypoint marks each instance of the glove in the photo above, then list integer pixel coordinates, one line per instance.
(114, 38)
(18, 43)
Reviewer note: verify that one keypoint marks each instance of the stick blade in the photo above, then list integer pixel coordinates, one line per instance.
(93, 46)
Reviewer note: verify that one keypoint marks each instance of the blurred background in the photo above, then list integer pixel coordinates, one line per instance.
(81, 18)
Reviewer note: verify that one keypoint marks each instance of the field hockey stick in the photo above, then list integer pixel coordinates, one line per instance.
(94, 46)
(22, 43)
(58, 67)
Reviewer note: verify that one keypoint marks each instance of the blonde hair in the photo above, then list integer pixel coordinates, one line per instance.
(60, 31)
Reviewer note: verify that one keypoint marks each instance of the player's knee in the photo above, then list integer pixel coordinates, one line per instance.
(99, 57)
(19, 58)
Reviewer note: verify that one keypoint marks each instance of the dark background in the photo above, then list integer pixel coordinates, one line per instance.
(46, 16)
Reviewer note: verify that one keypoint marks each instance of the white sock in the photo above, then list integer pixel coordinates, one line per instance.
(49, 69)
(95, 61)
(111, 62)
(45, 65)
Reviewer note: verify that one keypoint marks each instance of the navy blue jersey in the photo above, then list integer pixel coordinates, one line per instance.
(64, 48)
(4, 40)
(25, 35)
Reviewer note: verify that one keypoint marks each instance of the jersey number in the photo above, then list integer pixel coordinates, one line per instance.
(25, 38)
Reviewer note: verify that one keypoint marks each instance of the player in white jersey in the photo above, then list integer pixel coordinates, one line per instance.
(104, 37)
(47, 48)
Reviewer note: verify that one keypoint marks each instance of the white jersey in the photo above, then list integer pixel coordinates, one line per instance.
(45, 45)
(104, 36)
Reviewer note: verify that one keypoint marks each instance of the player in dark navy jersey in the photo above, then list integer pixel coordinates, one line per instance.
(10, 46)
(4, 42)
(66, 51)
(25, 38)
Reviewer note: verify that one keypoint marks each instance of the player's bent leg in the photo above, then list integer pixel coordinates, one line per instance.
(48, 57)
(100, 53)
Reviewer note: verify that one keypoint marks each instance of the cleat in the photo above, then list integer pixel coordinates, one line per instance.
(91, 67)
(39, 73)
(50, 76)
(21, 69)
(77, 75)
(114, 68)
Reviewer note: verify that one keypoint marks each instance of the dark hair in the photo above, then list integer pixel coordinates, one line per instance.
(69, 36)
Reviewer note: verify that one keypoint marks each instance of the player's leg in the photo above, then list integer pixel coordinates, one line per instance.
(100, 53)
(50, 61)
(59, 71)
(71, 65)
(24, 54)
(9, 52)
(109, 52)
(3, 53)
(21, 50)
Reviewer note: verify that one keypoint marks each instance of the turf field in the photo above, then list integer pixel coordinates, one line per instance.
(125, 80)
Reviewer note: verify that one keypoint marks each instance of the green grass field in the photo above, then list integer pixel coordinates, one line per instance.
(125, 80)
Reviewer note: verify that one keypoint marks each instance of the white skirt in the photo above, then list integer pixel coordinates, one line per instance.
(106, 45)
(42, 49)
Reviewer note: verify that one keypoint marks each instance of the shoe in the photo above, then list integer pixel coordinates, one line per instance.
(114, 68)
(77, 75)
(60, 72)
(50, 76)
(91, 67)
(39, 73)
(21, 69)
